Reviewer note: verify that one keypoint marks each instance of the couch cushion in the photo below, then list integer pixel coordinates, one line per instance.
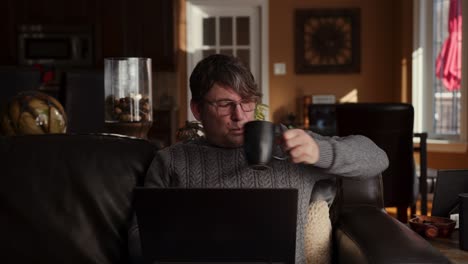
(67, 198)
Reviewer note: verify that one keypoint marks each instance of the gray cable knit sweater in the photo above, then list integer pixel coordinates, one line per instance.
(199, 164)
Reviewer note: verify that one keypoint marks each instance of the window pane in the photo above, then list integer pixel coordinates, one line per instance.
(209, 31)
(225, 30)
(447, 113)
(244, 56)
(208, 52)
(227, 52)
(446, 99)
(243, 30)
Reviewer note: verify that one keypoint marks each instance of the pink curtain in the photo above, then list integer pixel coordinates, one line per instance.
(448, 63)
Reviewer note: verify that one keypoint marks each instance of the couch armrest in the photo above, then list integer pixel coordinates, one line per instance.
(367, 234)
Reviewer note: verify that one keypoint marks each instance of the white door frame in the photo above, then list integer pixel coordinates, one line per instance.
(262, 5)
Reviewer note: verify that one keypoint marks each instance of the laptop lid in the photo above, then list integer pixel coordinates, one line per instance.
(448, 185)
(217, 225)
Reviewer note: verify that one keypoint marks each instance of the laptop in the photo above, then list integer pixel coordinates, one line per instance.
(179, 225)
(448, 185)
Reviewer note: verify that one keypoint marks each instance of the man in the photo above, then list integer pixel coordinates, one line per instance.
(224, 95)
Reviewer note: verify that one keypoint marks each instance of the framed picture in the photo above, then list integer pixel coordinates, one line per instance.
(327, 40)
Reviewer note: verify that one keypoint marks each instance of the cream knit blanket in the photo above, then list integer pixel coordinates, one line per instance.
(318, 234)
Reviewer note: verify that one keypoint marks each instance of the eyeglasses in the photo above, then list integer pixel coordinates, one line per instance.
(226, 107)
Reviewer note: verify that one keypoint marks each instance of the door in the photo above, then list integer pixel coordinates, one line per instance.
(228, 27)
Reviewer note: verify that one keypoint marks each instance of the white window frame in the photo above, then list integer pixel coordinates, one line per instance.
(423, 70)
(262, 5)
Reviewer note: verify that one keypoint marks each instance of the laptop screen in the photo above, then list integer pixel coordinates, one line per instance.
(217, 225)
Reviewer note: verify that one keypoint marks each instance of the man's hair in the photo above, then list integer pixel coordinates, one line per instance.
(225, 71)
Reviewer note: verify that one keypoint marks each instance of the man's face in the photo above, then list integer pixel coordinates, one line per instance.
(224, 130)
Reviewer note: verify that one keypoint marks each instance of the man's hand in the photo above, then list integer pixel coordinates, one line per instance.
(301, 146)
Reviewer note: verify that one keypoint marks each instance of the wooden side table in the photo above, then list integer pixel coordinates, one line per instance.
(450, 248)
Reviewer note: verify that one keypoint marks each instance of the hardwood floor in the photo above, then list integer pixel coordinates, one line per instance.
(447, 246)
(393, 212)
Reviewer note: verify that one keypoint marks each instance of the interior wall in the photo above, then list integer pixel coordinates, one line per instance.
(379, 78)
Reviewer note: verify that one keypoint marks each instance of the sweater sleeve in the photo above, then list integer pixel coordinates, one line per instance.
(350, 156)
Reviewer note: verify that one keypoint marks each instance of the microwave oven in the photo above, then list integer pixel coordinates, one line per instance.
(55, 45)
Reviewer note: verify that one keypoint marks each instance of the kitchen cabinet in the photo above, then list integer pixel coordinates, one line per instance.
(7, 31)
(158, 32)
(143, 28)
(54, 12)
(110, 38)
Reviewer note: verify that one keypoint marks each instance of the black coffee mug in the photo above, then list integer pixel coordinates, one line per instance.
(261, 143)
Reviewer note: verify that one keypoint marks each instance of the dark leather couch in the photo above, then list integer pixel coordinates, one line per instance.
(67, 199)
(365, 233)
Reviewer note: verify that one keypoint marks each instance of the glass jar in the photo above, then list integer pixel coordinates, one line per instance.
(128, 96)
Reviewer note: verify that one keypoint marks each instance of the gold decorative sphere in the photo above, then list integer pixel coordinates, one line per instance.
(33, 112)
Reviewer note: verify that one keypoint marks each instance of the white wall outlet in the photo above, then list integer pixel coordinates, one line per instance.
(279, 68)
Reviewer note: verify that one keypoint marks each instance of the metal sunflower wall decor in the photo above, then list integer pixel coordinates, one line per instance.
(327, 40)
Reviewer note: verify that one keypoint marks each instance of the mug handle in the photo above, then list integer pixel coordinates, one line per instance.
(279, 147)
